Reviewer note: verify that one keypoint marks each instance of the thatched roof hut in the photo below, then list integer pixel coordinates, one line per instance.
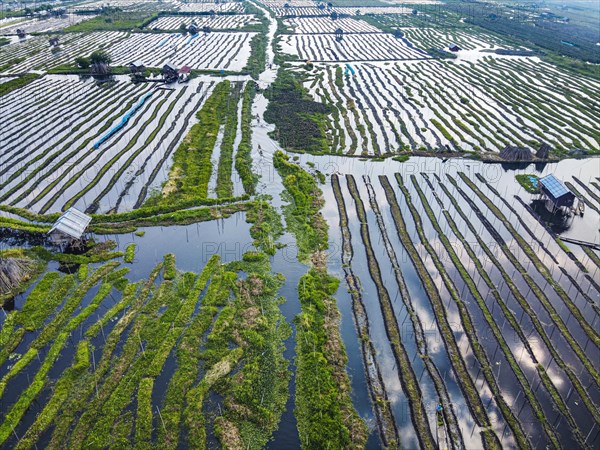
(543, 152)
(513, 153)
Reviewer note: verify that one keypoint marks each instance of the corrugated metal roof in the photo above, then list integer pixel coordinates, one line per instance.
(72, 223)
(556, 188)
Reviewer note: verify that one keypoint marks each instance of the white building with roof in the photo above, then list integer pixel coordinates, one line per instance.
(70, 226)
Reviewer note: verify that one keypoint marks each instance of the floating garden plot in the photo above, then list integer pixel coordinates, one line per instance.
(35, 53)
(219, 22)
(325, 25)
(437, 38)
(128, 5)
(92, 155)
(501, 282)
(43, 25)
(227, 51)
(423, 302)
(456, 106)
(206, 7)
(311, 11)
(353, 47)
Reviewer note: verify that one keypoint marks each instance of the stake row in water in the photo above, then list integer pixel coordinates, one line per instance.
(466, 383)
(521, 299)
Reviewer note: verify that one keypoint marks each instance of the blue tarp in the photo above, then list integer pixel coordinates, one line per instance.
(349, 69)
(192, 38)
(124, 120)
(164, 41)
(534, 181)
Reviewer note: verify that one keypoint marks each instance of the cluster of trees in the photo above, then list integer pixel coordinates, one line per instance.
(98, 62)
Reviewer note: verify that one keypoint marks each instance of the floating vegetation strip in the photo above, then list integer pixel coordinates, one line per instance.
(300, 122)
(31, 392)
(539, 326)
(191, 169)
(17, 83)
(410, 384)
(510, 316)
(303, 216)
(539, 265)
(326, 416)
(227, 337)
(420, 339)
(129, 253)
(57, 324)
(224, 186)
(466, 383)
(496, 331)
(243, 156)
(385, 418)
(467, 323)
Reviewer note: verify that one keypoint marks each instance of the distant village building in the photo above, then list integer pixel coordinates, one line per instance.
(184, 74)
(69, 227)
(170, 73)
(193, 28)
(454, 48)
(339, 34)
(58, 12)
(21, 33)
(137, 69)
(53, 42)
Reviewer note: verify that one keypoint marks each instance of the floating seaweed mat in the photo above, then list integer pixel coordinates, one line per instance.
(123, 121)
(13, 271)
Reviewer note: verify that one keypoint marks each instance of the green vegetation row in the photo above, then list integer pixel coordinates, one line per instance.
(467, 324)
(191, 169)
(408, 378)
(303, 215)
(539, 265)
(324, 411)
(379, 398)
(525, 305)
(17, 83)
(243, 157)
(444, 399)
(224, 187)
(552, 313)
(466, 383)
(487, 314)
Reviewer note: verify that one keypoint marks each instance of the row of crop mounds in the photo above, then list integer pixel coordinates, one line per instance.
(204, 7)
(325, 25)
(48, 164)
(352, 47)
(43, 25)
(515, 348)
(217, 22)
(128, 5)
(432, 105)
(202, 51)
(442, 38)
(35, 53)
(307, 10)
